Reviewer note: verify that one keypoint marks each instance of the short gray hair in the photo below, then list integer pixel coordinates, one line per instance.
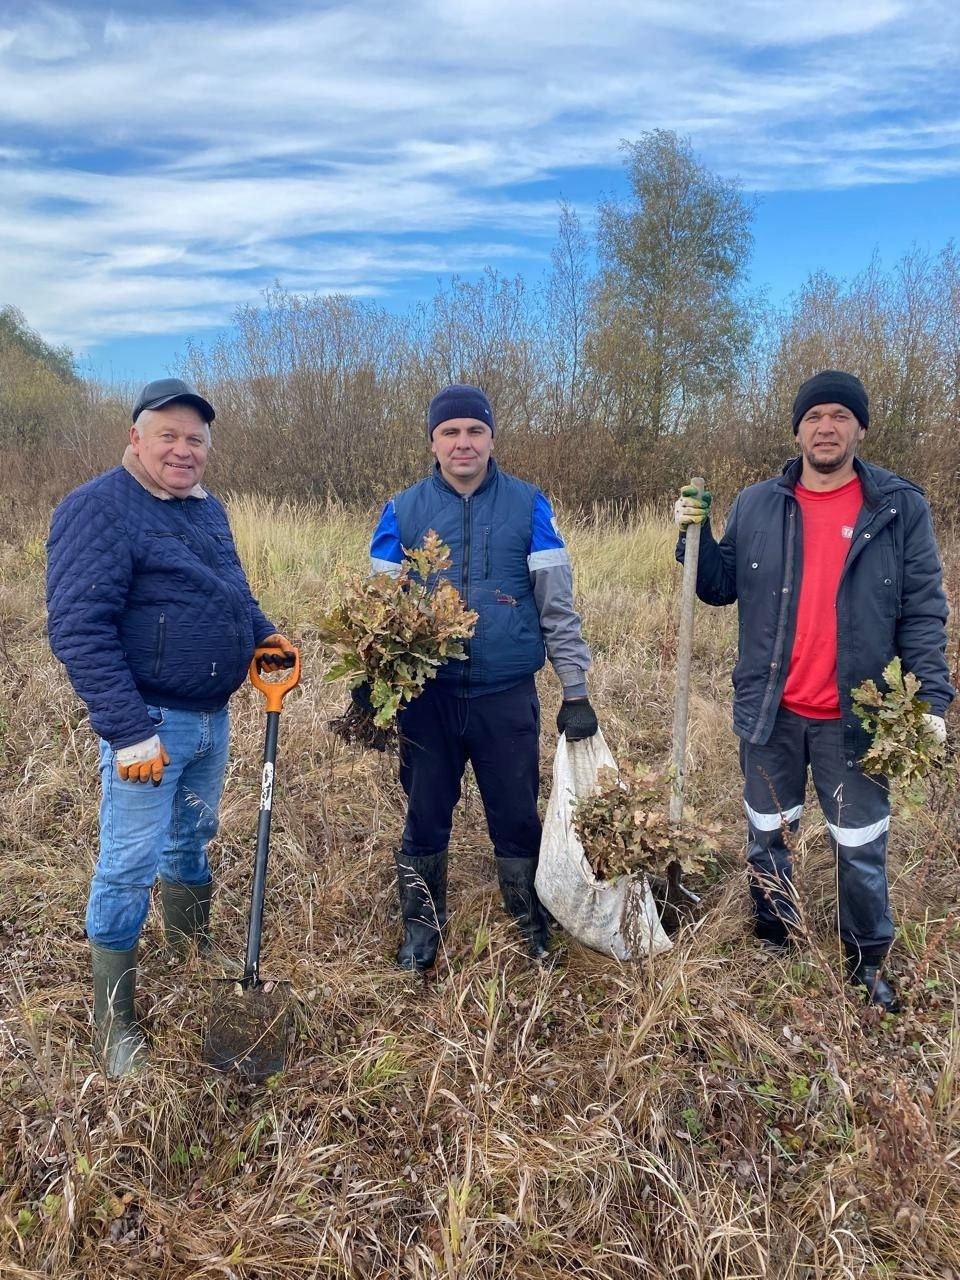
(146, 416)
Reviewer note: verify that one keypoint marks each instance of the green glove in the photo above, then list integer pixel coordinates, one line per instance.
(692, 507)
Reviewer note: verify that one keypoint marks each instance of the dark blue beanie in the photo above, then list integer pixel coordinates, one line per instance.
(832, 387)
(459, 401)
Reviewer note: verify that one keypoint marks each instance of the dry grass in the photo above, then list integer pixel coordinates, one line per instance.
(718, 1113)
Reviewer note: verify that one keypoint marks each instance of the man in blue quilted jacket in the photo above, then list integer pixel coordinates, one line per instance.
(511, 565)
(151, 613)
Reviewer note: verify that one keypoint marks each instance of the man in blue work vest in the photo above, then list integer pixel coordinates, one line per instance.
(510, 564)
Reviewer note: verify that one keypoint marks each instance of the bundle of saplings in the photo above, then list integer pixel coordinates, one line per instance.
(904, 749)
(392, 634)
(625, 830)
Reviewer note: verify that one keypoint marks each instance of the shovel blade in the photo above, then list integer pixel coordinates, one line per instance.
(248, 1027)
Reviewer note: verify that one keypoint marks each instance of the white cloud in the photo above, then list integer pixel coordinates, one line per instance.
(156, 168)
(47, 34)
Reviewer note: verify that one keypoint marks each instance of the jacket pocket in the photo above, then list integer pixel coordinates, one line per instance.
(755, 558)
(161, 640)
(890, 582)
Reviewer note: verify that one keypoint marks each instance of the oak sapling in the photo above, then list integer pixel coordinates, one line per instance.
(625, 830)
(904, 748)
(394, 633)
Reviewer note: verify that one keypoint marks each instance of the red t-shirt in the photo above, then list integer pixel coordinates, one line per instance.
(828, 520)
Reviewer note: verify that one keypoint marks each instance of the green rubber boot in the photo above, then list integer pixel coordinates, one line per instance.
(119, 1040)
(186, 921)
(186, 917)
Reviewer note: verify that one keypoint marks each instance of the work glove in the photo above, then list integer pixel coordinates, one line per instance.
(937, 726)
(273, 661)
(692, 507)
(577, 719)
(143, 762)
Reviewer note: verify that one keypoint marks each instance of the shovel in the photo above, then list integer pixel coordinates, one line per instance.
(250, 1016)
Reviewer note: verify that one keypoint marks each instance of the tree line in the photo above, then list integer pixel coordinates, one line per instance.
(640, 358)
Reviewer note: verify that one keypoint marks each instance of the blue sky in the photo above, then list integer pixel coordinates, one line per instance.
(160, 164)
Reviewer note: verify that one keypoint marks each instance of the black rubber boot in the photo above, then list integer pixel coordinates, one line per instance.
(119, 1041)
(774, 935)
(869, 974)
(422, 885)
(516, 877)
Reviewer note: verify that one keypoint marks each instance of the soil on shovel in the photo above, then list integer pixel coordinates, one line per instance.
(248, 1027)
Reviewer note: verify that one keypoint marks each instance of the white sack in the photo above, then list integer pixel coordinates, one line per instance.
(618, 917)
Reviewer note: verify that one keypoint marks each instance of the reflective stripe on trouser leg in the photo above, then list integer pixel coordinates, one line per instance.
(857, 811)
(774, 782)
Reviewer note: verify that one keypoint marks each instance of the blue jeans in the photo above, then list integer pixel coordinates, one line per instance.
(147, 830)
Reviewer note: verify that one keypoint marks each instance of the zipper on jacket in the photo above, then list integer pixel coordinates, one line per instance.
(783, 616)
(161, 626)
(465, 585)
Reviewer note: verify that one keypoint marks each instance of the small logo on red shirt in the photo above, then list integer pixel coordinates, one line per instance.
(847, 531)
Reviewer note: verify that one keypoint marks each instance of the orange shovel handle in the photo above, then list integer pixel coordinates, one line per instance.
(276, 690)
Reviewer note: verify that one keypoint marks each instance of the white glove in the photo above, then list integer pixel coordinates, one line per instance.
(937, 726)
(140, 752)
(143, 762)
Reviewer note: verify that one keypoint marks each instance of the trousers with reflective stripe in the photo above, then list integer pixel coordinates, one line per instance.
(857, 812)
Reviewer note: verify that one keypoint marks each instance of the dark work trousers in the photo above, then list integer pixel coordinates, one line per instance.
(499, 733)
(857, 812)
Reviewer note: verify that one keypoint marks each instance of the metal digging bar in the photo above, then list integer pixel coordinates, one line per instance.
(249, 1018)
(675, 900)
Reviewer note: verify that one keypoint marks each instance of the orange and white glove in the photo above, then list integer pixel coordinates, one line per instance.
(143, 762)
(278, 641)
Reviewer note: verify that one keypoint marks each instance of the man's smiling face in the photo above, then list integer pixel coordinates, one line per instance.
(172, 444)
(828, 435)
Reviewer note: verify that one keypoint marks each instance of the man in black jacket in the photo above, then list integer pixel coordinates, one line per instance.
(835, 570)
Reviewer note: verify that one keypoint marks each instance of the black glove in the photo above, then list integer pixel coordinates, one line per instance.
(577, 719)
(360, 696)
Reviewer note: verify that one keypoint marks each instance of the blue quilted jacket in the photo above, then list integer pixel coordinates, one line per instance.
(147, 604)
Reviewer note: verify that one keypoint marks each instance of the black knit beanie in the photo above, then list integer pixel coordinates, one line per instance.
(832, 387)
(459, 401)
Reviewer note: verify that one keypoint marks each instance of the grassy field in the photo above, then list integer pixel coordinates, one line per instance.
(718, 1113)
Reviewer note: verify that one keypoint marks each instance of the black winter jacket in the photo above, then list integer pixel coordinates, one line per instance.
(890, 601)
